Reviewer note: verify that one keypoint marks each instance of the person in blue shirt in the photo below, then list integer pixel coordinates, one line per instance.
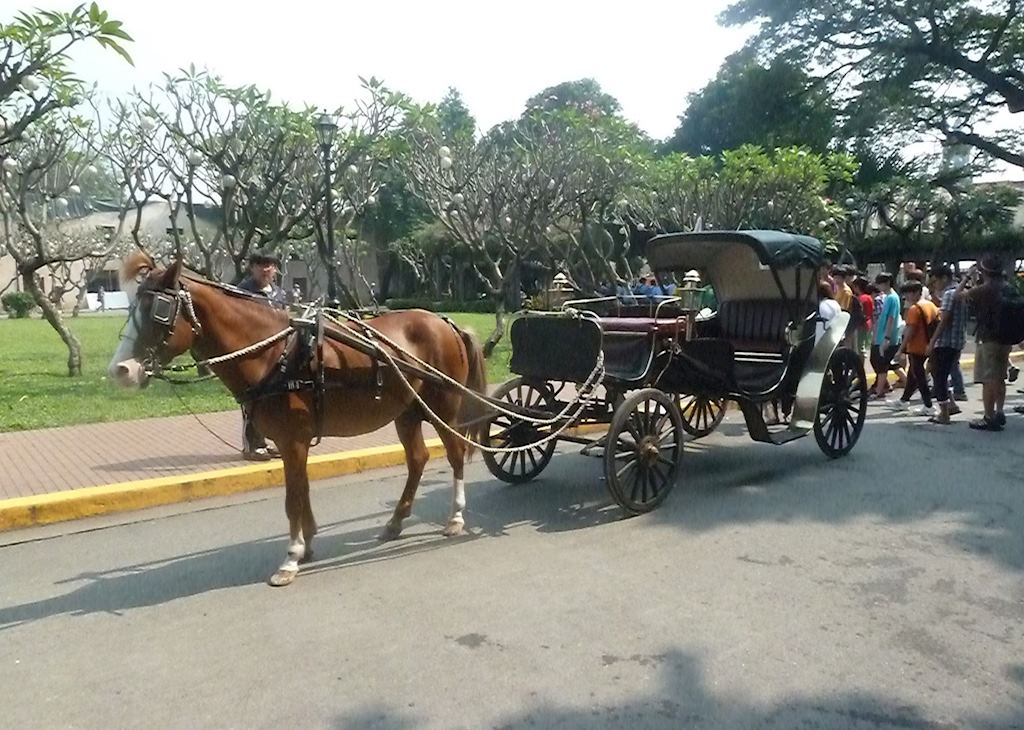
(886, 342)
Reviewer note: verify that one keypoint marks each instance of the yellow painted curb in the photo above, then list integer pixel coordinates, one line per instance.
(74, 504)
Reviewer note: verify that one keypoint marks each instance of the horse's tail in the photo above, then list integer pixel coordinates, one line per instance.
(474, 412)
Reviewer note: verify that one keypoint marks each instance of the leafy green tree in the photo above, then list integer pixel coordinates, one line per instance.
(457, 124)
(35, 75)
(583, 95)
(749, 187)
(771, 106)
(944, 66)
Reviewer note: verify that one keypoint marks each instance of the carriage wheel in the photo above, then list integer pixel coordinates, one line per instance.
(842, 404)
(505, 431)
(701, 415)
(643, 450)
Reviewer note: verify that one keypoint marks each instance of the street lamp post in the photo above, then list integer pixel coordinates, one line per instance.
(325, 129)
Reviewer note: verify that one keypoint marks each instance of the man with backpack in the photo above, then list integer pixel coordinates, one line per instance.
(999, 312)
(922, 316)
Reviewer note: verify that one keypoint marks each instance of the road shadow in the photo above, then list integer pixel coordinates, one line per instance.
(152, 583)
(684, 699)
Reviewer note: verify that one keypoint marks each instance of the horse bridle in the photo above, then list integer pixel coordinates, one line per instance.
(167, 305)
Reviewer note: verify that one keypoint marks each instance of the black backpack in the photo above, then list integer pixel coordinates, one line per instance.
(1008, 327)
(857, 319)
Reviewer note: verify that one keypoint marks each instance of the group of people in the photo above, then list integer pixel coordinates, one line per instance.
(919, 331)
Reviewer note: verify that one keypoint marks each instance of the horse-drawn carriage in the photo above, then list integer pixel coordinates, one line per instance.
(650, 374)
(670, 370)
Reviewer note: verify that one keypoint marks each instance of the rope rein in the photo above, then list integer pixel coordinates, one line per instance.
(568, 416)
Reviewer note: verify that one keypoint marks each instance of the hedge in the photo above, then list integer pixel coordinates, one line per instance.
(18, 304)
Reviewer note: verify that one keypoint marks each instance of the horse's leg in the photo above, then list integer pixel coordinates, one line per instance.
(301, 526)
(455, 449)
(410, 432)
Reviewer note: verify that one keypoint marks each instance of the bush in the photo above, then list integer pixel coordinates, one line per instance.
(18, 304)
(443, 305)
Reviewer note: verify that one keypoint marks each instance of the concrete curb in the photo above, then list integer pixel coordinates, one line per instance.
(74, 504)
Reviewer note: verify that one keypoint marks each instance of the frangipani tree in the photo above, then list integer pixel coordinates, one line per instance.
(35, 74)
(499, 197)
(40, 172)
(784, 188)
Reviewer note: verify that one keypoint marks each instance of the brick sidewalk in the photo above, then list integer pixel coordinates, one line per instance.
(57, 459)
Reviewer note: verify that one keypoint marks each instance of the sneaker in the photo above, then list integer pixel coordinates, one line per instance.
(954, 409)
(1019, 409)
(999, 419)
(984, 424)
(925, 411)
(960, 397)
(896, 404)
(260, 454)
(1012, 373)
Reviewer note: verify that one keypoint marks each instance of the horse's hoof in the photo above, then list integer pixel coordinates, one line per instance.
(453, 529)
(282, 578)
(390, 532)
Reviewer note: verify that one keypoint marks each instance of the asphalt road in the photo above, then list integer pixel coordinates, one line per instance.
(773, 589)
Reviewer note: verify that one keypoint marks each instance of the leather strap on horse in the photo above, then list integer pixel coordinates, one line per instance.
(318, 380)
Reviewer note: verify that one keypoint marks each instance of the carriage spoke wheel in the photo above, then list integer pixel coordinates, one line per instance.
(643, 450)
(505, 431)
(701, 415)
(842, 404)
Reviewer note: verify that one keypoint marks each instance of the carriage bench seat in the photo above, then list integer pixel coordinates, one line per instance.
(755, 325)
(644, 325)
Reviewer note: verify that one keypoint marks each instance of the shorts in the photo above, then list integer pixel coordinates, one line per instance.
(991, 362)
(881, 362)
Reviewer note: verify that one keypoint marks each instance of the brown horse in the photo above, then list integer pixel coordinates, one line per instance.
(173, 313)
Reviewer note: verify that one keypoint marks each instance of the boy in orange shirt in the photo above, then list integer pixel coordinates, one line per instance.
(921, 317)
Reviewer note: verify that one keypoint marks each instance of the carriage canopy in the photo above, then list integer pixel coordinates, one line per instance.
(743, 265)
(698, 250)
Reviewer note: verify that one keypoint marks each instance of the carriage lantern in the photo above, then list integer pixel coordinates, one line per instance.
(691, 291)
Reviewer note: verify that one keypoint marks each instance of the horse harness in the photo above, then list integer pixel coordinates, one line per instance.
(300, 366)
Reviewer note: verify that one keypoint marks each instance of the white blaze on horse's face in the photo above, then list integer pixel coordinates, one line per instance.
(125, 369)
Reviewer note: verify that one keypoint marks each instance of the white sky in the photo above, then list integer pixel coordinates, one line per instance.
(647, 54)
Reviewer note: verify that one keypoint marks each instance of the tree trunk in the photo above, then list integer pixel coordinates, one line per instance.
(53, 315)
(499, 326)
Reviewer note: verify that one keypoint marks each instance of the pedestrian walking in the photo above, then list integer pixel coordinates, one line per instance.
(863, 290)
(922, 316)
(888, 324)
(947, 343)
(983, 289)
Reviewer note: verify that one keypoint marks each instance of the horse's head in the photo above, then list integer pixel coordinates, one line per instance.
(161, 321)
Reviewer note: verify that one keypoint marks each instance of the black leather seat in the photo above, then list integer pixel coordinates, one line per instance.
(755, 325)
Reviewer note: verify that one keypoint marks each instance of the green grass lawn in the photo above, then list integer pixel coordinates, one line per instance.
(35, 391)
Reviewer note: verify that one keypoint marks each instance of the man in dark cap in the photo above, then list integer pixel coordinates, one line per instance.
(992, 358)
(262, 281)
(262, 278)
